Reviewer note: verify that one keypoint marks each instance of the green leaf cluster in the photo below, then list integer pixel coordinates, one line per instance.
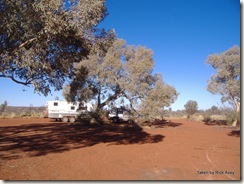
(40, 40)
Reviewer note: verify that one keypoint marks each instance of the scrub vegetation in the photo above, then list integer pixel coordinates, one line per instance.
(47, 44)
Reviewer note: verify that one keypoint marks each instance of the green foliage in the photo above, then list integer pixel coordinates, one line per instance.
(191, 108)
(159, 96)
(226, 81)
(232, 117)
(207, 117)
(41, 40)
(214, 110)
(114, 71)
(91, 81)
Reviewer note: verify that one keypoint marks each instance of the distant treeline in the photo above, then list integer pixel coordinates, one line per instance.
(24, 109)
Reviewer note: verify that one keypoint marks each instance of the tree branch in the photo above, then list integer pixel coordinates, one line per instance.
(26, 83)
(26, 42)
(131, 105)
(110, 98)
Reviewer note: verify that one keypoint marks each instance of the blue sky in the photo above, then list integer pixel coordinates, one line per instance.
(181, 33)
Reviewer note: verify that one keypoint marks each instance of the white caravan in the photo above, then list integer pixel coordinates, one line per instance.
(67, 111)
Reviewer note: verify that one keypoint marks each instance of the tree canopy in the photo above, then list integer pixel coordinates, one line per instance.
(40, 40)
(120, 71)
(226, 80)
(159, 96)
(191, 107)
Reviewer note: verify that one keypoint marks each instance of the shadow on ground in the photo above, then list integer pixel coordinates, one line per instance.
(160, 124)
(216, 123)
(45, 138)
(235, 133)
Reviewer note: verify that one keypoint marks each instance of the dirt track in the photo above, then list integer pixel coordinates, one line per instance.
(40, 149)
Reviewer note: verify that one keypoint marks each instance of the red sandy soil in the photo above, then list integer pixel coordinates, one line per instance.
(41, 149)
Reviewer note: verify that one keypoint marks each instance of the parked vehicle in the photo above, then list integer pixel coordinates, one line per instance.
(120, 114)
(67, 111)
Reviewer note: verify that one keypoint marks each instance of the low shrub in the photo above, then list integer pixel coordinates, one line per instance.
(207, 118)
(231, 117)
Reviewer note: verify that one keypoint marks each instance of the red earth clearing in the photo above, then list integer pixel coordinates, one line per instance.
(42, 149)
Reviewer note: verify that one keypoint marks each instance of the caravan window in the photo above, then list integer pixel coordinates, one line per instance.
(55, 103)
(72, 107)
(82, 106)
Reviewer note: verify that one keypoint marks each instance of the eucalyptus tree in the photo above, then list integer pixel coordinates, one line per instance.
(94, 78)
(40, 40)
(115, 70)
(226, 80)
(159, 96)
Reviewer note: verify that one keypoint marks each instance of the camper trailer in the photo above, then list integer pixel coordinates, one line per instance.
(67, 111)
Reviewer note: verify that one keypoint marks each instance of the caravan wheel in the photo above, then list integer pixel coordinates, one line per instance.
(71, 119)
(65, 119)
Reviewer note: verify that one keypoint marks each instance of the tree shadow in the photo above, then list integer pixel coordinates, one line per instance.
(235, 133)
(216, 123)
(160, 123)
(45, 138)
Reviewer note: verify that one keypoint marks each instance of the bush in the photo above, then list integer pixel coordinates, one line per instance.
(191, 108)
(3, 107)
(207, 117)
(231, 117)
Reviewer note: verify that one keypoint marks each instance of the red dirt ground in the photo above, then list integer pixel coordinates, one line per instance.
(41, 149)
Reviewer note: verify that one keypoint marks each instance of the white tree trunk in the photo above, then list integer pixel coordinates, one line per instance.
(234, 123)
(237, 108)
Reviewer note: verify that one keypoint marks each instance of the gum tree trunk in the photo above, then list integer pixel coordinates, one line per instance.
(237, 104)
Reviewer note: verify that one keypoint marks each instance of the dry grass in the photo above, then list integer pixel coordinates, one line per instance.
(22, 112)
(21, 115)
(198, 117)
